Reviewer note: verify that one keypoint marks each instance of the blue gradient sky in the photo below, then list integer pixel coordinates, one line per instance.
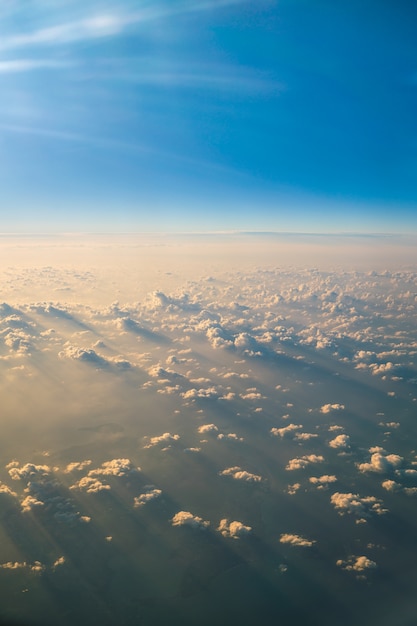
(190, 115)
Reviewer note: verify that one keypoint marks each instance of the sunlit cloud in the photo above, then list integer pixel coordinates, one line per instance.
(296, 540)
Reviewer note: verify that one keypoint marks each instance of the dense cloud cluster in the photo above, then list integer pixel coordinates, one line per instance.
(187, 408)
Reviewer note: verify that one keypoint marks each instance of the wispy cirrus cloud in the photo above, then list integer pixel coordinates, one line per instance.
(28, 65)
(103, 24)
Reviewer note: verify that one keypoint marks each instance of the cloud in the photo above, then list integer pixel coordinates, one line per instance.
(83, 355)
(29, 470)
(115, 467)
(322, 482)
(6, 490)
(341, 441)
(292, 489)
(304, 461)
(28, 65)
(93, 27)
(77, 466)
(150, 494)
(305, 436)
(381, 463)
(208, 428)
(36, 566)
(90, 485)
(353, 504)
(165, 438)
(185, 518)
(357, 565)
(193, 394)
(238, 474)
(394, 487)
(286, 430)
(381, 368)
(29, 503)
(328, 408)
(230, 437)
(296, 540)
(233, 529)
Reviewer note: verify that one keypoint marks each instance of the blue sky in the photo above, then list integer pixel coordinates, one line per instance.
(190, 115)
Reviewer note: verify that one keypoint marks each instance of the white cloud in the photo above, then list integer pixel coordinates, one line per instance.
(29, 503)
(185, 518)
(29, 470)
(36, 566)
(233, 529)
(285, 430)
(207, 428)
(192, 394)
(354, 504)
(90, 485)
(304, 461)
(230, 437)
(305, 436)
(115, 467)
(77, 466)
(357, 564)
(328, 408)
(296, 540)
(238, 474)
(165, 438)
(322, 482)
(341, 441)
(292, 489)
(150, 494)
(6, 490)
(381, 463)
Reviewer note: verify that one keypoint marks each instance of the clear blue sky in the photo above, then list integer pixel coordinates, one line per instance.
(193, 115)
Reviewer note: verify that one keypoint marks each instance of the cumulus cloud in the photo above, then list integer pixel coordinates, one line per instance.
(395, 487)
(233, 529)
(322, 482)
(90, 485)
(230, 437)
(36, 566)
(304, 461)
(305, 436)
(185, 518)
(29, 470)
(84, 355)
(381, 368)
(6, 490)
(207, 428)
(29, 503)
(381, 462)
(115, 467)
(292, 489)
(166, 438)
(150, 494)
(193, 394)
(77, 466)
(296, 540)
(285, 430)
(340, 442)
(357, 564)
(353, 504)
(238, 474)
(328, 408)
